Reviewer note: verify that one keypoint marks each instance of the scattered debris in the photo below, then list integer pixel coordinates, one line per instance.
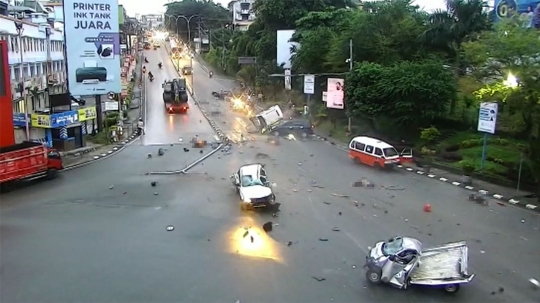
(186, 149)
(522, 220)
(125, 192)
(353, 266)
(268, 226)
(339, 213)
(201, 151)
(393, 187)
(364, 183)
(155, 194)
(261, 156)
(111, 187)
(479, 199)
(289, 243)
(170, 228)
(339, 195)
(149, 156)
(535, 283)
(323, 239)
(299, 163)
(161, 152)
(153, 183)
(319, 279)
(336, 229)
(523, 238)
(427, 208)
(327, 203)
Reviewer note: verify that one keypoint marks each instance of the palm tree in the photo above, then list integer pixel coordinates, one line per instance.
(449, 29)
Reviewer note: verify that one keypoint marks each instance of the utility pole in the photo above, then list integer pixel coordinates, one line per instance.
(350, 70)
(19, 26)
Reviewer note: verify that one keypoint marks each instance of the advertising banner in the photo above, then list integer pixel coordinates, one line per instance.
(54, 120)
(88, 113)
(19, 119)
(334, 93)
(92, 46)
(487, 117)
(524, 9)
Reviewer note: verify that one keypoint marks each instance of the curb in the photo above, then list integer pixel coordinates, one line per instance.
(112, 151)
(483, 192)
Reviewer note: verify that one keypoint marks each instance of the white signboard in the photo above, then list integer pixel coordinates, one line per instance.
(111, 106)
(487, 117)
(309, 84)
(92, 46)
(288, 79)
(334, 95)
(324, 96)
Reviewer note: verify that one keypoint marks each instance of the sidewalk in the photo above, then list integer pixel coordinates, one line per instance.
(91, 152)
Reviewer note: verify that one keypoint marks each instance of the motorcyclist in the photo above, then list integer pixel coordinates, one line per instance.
(151, 76)
(145, 60)
(140, 126)
(144, 69)
(160, 65)
(210, 74)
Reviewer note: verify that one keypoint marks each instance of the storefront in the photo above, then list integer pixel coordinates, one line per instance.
(64, 130)
(87, 118)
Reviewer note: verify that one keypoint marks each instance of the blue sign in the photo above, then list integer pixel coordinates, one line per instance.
(64, 119)
(18, 119)
(523, 8)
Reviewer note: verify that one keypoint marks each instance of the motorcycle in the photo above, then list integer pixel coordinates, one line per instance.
(160, 66)
(211, 74)
(145, 60)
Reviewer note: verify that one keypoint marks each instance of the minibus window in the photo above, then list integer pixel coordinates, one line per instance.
(369, 149)
(390, 152)
(378, 152)
(359, 146)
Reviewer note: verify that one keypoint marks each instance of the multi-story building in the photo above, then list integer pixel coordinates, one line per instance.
(242, 13)
(36, 64)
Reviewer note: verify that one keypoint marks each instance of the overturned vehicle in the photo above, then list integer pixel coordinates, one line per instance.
(402, 262)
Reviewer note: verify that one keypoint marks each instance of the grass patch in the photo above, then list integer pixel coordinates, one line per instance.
(99, 138)
(339, 132)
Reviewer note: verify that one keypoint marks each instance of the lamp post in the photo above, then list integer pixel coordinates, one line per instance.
(19, 26)
(188, 20)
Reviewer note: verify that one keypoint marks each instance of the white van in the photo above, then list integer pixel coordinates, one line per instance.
(267, 118)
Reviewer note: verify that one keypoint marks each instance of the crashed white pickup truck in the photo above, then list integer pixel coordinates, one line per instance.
(401, 262)
(252, 184)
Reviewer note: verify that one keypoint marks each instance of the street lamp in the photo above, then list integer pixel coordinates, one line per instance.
(188, 20)
(19, 26)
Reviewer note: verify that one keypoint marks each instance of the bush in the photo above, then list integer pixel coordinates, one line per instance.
(452, 156)
(467, 167)
(430, 134)
(125, 114)
(452, 148)
(471, 143)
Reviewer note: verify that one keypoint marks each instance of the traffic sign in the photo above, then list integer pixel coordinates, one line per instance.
(487, 117)
(309, 84)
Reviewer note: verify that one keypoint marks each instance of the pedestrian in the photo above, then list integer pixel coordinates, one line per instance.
(140, 126)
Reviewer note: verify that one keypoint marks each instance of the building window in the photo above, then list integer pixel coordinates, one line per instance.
(36, 45)
(14, 44)
(33, 71)
(19, 106)
(42, 45)
(26, 71)
(17, 72)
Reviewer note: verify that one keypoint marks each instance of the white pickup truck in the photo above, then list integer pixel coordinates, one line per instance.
(401, 262)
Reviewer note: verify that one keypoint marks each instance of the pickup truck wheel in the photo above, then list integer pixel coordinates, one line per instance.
(452, 288)
(373, 276)
(272, 200)
(51, 174)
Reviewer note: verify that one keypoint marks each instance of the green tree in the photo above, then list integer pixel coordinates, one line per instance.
(449, 29)
(412, 93)
(511, 50)
(205, 13)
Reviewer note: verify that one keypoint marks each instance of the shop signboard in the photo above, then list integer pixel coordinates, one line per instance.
(87, 113)
(55, 120)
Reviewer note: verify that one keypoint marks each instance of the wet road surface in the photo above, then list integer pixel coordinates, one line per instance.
(98, 233)
(163, 128)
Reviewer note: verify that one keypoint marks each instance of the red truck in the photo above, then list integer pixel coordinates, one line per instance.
(28, 161)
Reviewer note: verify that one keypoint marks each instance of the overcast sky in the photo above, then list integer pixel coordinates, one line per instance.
(156, 6)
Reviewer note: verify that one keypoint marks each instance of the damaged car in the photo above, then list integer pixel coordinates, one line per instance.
(253, 186)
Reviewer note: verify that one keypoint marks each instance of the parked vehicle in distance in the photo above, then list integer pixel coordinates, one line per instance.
(377, 153)
(28, 161)
(302, 128)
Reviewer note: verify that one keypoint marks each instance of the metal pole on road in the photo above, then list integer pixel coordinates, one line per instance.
(349, 122)
(20, 29)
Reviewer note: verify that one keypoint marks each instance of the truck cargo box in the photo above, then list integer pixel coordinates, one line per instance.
(22, 160)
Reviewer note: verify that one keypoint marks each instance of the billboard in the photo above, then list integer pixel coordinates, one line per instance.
(284, 46)
(523, 8)
(334, 93)
(92, 46)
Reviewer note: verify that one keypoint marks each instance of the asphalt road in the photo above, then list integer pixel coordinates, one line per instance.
(98, 233)
(163, 128)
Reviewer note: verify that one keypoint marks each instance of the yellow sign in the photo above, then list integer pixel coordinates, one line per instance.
(42, 121)
(87, 113)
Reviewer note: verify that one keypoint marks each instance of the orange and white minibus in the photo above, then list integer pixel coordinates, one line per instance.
(377, 153)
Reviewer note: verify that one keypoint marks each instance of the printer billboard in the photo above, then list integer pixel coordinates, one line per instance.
(92, 46)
